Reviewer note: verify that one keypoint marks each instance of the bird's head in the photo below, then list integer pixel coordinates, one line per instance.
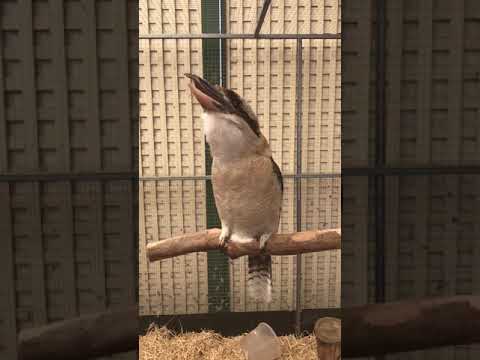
(231, 127)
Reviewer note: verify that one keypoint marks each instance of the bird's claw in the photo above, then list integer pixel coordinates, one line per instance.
(263, 240)
(224, 237)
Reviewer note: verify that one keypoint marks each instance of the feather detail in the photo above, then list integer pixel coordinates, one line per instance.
(277, 172)
(243, 110)
(259, 282)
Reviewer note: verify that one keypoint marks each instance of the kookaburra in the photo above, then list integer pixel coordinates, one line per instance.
(247, 183)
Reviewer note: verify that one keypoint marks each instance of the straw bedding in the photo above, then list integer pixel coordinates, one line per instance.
(161, 344)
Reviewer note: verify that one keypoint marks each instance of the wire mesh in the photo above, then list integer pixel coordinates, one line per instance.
(175, 163)
(240, 17)
(282, 86)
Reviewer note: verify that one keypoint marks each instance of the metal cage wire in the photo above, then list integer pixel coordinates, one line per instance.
(298, 175)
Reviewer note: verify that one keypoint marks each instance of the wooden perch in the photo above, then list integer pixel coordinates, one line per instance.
(279, 244)
(379, 329)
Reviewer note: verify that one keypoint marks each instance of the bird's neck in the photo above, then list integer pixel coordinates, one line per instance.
(229, 143)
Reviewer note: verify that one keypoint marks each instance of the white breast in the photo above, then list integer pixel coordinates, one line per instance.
(208, 123)
(226, 140)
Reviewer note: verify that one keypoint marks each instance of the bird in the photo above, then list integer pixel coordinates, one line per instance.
(247, 183)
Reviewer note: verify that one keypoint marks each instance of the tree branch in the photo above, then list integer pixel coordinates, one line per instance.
(279, 244)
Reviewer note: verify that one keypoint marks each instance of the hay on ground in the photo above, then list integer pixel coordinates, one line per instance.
(161, 344)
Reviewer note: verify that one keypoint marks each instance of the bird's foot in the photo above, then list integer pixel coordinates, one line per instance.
(224, 236)
(263, 239)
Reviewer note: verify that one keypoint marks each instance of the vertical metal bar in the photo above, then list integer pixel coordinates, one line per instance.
(7, 276)
(29, 86)
(4, 148)
(379, 180)
(380, 155)
(380, 88)
(220, 30)
(298, 188)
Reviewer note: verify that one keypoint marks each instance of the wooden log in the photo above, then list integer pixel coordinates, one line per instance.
(328, 335)
(418, 324)
(368, 330)
(85, 337)
(279, 244)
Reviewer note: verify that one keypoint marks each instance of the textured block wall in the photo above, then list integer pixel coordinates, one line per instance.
(432, 119)
(67, 105)
(171, 144)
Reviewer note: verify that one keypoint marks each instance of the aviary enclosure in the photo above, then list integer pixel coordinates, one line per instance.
(286, 64)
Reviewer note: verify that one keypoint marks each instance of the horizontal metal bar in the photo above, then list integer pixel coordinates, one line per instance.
(174, 178)
(208, 177)
(240, 36)
(95, 176)
(346, 172)
(411, 171)
(360, 171)
(127, 176)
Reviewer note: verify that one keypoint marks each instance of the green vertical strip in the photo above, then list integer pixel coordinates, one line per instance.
(214, 61)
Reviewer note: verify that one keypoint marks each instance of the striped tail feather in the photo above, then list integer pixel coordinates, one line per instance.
(259, 281)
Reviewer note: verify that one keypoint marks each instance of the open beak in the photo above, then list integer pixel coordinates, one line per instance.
(209, 97)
